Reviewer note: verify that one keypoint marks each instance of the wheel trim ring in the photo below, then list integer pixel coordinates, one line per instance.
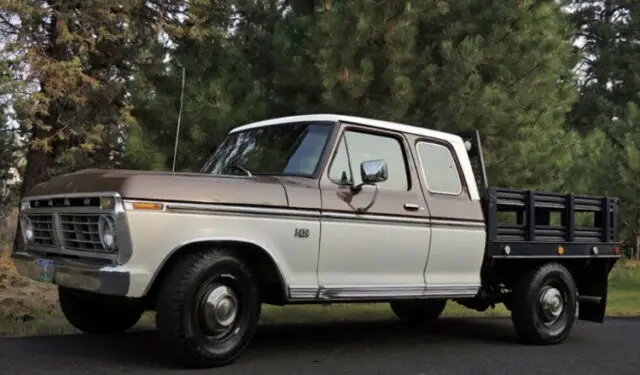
(552, 304)
(556, 324)
(218, 309)
(198, 321)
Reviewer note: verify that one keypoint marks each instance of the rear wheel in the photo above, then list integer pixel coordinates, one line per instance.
(418, 312)
(544, 305)
(208, 308)
(97, 314)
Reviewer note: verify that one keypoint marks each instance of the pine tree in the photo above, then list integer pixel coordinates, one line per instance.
(9, 139)
(498, 66)
(76, 58)
(607, 34)
(263, 68)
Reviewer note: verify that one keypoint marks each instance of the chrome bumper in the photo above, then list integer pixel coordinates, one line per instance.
(74, 274)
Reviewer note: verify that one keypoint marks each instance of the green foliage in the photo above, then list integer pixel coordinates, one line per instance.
(103, 90)
(607, 107)
(497, 66)
(9, 141)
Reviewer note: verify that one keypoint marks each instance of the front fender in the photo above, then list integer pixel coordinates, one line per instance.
(157, 235)
(212, 241)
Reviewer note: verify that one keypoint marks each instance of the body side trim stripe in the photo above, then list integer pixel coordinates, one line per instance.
(310, 213)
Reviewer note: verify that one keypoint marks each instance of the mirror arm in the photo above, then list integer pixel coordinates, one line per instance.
(355, 189)
(373, 199)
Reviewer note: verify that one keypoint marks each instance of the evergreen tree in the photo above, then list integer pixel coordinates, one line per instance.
(9, 141)
(76, 58)
(256, 62)
(607, 34)
(498, 66)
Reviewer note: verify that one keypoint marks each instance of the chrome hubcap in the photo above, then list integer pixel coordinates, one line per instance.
(552, 304)
(220, 309)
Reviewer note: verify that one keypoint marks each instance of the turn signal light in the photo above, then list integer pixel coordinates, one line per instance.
(146, 206)
(616, 250)
(560, 250)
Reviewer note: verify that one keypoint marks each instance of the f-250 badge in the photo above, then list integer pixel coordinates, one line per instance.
(301, 232)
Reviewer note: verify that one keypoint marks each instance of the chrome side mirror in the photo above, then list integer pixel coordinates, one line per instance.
(374, 171)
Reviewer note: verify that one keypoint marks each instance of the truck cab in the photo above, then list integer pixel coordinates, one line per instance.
(321, 208)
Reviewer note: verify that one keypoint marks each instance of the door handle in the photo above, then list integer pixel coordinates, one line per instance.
(411, 207)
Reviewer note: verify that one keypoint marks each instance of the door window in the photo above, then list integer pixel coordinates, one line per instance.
(356, 147)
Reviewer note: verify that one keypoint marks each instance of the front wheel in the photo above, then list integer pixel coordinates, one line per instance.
(544, 304)
(208, 308)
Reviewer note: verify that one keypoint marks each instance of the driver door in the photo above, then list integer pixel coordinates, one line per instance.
(384, 250)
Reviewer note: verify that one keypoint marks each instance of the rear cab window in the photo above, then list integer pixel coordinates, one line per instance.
(439, 168)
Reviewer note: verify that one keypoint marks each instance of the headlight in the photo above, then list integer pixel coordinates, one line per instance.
(25, 204)
(107, 232)
(26, 226)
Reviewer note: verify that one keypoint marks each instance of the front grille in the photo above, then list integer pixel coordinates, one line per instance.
(43, 230)
(80, 232)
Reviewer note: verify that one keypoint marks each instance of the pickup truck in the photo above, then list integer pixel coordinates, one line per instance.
(315, 209)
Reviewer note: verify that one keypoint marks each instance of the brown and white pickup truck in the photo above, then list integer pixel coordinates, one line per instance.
(315, 209)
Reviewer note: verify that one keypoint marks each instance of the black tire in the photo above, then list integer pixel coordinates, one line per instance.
(531, 323)
(95, 314)
(180, 317)
(418, 312)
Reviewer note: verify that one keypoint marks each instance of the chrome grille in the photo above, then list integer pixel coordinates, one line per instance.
(43, 229)
(80, 232)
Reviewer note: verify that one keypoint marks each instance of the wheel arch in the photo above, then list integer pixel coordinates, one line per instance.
(590, 276)
(260, 260)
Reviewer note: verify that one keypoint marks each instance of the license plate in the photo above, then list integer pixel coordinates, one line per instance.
(46, 270)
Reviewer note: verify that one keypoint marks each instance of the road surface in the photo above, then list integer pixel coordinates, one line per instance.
(457, 346)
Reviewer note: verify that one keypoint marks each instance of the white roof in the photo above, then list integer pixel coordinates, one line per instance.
(388, 125)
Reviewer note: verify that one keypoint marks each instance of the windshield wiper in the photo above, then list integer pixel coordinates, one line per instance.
(240, 167)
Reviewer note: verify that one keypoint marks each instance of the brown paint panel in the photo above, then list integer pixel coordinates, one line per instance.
(302, 192)
(454, 208)
(166, 186)
(336, 198)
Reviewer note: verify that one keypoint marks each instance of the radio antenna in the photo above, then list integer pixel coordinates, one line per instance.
(175, 147)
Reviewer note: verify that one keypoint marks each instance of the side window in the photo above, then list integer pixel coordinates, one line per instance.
(362, 147)
(439, 169)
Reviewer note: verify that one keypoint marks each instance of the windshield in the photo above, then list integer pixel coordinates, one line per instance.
(292, 149)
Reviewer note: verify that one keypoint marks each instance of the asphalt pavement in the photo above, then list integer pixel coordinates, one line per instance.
(457, 346)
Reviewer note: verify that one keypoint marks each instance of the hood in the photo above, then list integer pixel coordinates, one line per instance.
(167, 186)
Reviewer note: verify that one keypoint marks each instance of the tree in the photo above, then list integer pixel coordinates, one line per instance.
(607, 33)
(75, 59)
(498, 66)
(9, 140)
(251, 60)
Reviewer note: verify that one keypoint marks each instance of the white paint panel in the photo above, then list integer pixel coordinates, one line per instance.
(455, 256)
(372, 254)
(388, 125)
(297, 258)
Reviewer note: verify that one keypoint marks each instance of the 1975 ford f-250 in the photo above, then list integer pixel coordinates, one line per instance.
(315, 209)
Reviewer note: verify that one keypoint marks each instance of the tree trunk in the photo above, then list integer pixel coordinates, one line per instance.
(38, 161)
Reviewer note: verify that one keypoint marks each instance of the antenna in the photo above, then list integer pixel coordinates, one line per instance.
(175, 147)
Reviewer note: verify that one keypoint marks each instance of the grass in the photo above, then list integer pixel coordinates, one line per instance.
(28, 308)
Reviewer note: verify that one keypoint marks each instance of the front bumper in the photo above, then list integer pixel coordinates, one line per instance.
(96, 278)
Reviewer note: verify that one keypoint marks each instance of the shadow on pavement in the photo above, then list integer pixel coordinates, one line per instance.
(142, 348)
